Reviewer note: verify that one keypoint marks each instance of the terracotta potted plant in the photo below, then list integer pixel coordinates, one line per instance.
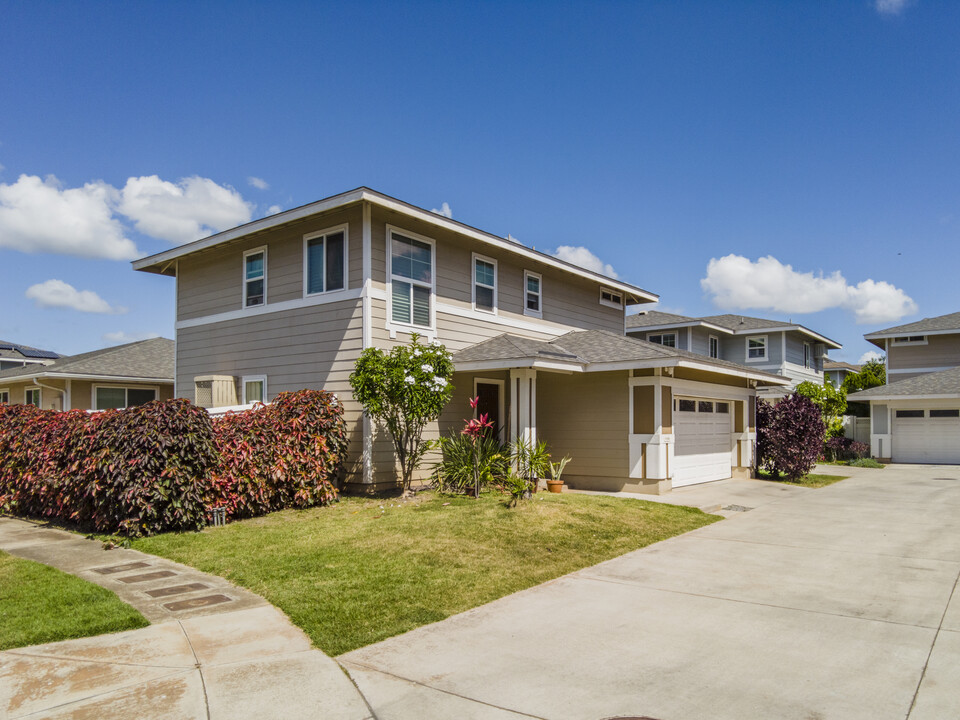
(555, 483)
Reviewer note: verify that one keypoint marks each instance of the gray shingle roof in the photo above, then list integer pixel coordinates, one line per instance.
(586, 347)
(739, 323)
(941, 322)
(143, 359)
(945, 382)
(652, 318)
(836, 365)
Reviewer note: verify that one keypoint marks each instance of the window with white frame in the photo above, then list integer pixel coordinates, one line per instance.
(4, 397)
(807, 355)
(254, 277)
(484, 284)
(117, 398)
(32, 396)
(611, 298)
(325, 261)
(253, 389)
(910, 340)
(532, 294)
(714, 346)
(757, 348)
(665, 339)
(411, 280)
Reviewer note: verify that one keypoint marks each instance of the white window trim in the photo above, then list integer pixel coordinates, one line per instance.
(243, 277)
(900, 342)
(766, 348)
(345, 229)
(392, 325)
(473, 283)
(125, 388)
(808, 362)
(663, 335)
(500, 396)
(5, 391)
(243, 387)
(710, 339)
(611, 291)
(39, 391)
(527, 311)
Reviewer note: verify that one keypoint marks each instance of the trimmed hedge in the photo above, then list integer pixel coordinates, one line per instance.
(162, 466)
(286, 454)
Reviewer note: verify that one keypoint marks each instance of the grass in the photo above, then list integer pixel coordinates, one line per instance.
(364, 570)
(40, 604)
(810, 480)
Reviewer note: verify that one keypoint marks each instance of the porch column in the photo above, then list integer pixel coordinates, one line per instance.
(523, 405)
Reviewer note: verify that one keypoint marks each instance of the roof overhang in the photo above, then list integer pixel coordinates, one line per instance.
(164, 263)
(889, 398)
(788, 328)
(82, 376)
(671, 326)
(877, 338)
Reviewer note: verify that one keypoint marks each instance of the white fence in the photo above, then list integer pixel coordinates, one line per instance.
(857, 428)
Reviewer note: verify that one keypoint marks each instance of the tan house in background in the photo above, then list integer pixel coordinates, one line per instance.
(289, 302)
(15, 355)
(116, 377)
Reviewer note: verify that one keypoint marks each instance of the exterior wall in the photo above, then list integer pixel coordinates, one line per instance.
(883, 441)
(939, 353)
(81, 392)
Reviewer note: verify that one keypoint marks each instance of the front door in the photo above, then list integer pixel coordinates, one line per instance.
(490, 403)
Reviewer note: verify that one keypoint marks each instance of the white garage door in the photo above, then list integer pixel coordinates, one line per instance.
(926, 436)
(702, 448)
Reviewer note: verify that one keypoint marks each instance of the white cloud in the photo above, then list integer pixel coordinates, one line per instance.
(870, 355)
(738, 283)
(582, 257)
(891, 7)
(181, 212)
(274, 209)
(120, 337)
(444, 210)
(38, 216)
(58, 294)
(258, 183)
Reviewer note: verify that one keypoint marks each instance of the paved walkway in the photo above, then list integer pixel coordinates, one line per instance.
(214, 650)
(838, 602)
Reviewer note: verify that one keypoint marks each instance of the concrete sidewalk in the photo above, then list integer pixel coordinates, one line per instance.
(831, 603)
(215, 650)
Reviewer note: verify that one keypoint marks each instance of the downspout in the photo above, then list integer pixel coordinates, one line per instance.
(63, 393)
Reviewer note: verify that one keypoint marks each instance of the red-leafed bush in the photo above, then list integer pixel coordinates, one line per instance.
(286, 454)
(789, 436)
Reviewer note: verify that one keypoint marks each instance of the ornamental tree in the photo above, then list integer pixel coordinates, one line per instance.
(872, 374)
(404, 389)
(789, 436)
(831, 401)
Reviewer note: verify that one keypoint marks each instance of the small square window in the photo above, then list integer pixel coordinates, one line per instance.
(722, 407)
(705, 406)
(687, 405)
(665, 339)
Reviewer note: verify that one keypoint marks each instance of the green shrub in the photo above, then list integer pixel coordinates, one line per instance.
(866, 463)
(453, 473)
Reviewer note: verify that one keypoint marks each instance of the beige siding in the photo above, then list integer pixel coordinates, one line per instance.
(940, 351)
(211, 282)
(81, 392)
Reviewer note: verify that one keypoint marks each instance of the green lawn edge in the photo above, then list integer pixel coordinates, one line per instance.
(40, 604)
(810, 480)
(361, 570)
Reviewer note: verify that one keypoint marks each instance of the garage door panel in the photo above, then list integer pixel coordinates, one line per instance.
(926, 440)
(702, 448)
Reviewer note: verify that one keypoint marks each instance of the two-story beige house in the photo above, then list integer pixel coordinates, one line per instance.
(915, 417)
(289, 302)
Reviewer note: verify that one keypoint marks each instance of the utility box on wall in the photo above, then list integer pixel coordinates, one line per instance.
(215, 390)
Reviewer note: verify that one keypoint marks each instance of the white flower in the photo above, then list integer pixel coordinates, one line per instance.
(436, 343)
(439, 382)
(416, 353)
(409, 380)
(426, 368)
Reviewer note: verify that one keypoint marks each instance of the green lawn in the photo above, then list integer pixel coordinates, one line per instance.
(40, 604)
(811, 480)
(364, 570)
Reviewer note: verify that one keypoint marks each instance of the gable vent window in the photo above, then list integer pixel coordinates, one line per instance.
(910, 340)
(484, 284)
(254, 277)
(611, 298)
(325, 259)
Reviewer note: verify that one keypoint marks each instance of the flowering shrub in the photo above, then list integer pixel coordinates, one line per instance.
(789, 436)
(405, 389)
(286, 454)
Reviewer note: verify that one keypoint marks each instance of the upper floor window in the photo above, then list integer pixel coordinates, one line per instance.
(106, 398)
(411, 279)
(757, 348)
(714, 346)
(32, 396)
(254, 389)
(484, 284)
(910, 340)
(611, 298)
(807, 355)
(325, 261)
(532, 300)
(254, 277)
(665, 339)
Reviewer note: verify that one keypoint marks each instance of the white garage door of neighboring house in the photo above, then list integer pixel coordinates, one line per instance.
(926, 436)
(702, 445)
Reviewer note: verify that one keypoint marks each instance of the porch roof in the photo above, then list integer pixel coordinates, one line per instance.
(594, 351)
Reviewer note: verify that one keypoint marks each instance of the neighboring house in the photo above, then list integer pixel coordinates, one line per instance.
(14, 355)
(915, 417)
(836, 372)
(289, 302)
(786, 349)
(116, 377)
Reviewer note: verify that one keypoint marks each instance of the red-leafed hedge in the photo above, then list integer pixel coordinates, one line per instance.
(163, 465)
(286, 454)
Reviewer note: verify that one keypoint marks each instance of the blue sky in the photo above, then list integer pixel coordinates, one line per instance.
(815, 143)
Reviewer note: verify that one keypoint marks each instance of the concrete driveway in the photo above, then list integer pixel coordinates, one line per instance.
(831, 603)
